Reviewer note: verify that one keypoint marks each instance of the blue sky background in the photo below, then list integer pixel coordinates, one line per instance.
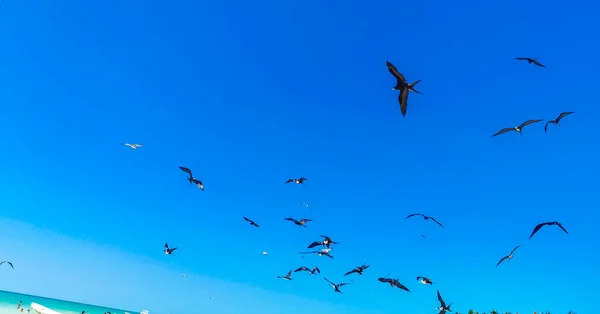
(248, 94)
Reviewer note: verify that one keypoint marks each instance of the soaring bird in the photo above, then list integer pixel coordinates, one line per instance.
(509, 256)
(532, 60)
(192, 179)
(557, 120)
(443, 307)
(311, 271)
(288, 276)
(393, 283)
(134, 146)
(549, 223)
(9, 264)
(320, 253)
(336, 287)
(518, 128)
(359, 270)
(169, 250)
(305, 204)
(425, 280)
(299, 223)
(297, 181)
(402, 86)
(426, 218)
(326, 242)
(252, 223)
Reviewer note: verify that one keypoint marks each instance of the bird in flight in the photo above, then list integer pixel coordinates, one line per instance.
(326, 242)
(305, 204)
(9, 264)
(252, 223)
(134, 146)
(299, 223)
(425, 280)
(359, 270)
(549, 223)
(518, 128)
(509, 256)
(443, 307)
(169, 250)
(288, 276)
(336, 287)
(297, 181)
(426, 218)
(265, 253)
(393, 283)
(320, 252)
(557, 120)
(532, 60)
(311, 271)
(191, 178)
(402, 86)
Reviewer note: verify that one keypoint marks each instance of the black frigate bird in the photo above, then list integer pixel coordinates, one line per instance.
(288, 276)
(509, 256)
(311, 271)
(9, 264)
(426, 218)
(326, 242)
(191, 178)
(359, 270)
(299, 223)
(169, 250)
(320, 252)
(443, 307)
(336, 287)
(252, 223)
(518, 128)
(549, 223)
(532, 60)
(402, 86)
(393, 283)
(297, 181)
(557, 120)
(425, 280)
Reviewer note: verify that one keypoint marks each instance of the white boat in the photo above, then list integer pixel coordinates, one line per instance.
(42, 309)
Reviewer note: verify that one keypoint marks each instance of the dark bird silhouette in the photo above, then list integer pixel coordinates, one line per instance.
(402, 86)
(359, 270)
(288, 276)
(326, 242)
(518, 128)
(320, 253)
(299, 223)
(9, 264)
(549, 223)
(426, 218)
(443, 307)
(191, 178)
(425, 280)
(336, 287)
(169, 250)
(311, 271)
(557, 120)
(532, 60)
(297, 181)
(252, 223)
(509, 256)
(393, 283)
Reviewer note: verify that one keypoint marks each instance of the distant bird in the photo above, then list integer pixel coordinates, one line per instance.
(509, 256)
(557, 120)
(286, 277)
(297, 181)
(393, 283)
(359, 270)
(320, 253)
(550, 223)
(299, 223)
(426, 218)
(336, 287)
(443, 307)
(169, 250)
(311, 271)
(192, 179)
(425, 280)
(134, 146)
(402, 86)
(305, 204)
(9, 264)
(518, 128)
(183, 275)
(252, 223)
(265, 253)
(532, 60)
(326, 242)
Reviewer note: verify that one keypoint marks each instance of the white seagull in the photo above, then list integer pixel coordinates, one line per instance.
(134, 146)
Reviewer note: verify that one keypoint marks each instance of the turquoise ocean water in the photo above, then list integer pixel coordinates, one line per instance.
(9, 301)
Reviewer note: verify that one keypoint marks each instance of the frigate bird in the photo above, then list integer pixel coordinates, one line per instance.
(320, 252)
(518, 128)
(402, 86)
(134, 146)
(426, 218)
(359, 270)
(336, 287)
(326, 242)
(532, 60)
(169, 250)
(297, 181)
(443, 307)
(549, 223)
(393, 283)
(557, 120)
(191, 178)
(288, 276)
(9, 264)
(509, 256)
(252, 223)
(425, 280)
(299, 223)
(311, 271)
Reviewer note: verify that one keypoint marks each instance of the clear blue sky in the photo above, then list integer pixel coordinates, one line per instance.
(250, 93)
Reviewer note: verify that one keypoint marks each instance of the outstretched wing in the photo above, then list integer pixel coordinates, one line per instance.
(503, 131)
(563, 228)
(439, 296)
(316, 243)
(501, 260)
(172, 250)
(401, 286)
(537, 228)
(538, 63)
(437, 222)
(248, 220)
(562, 115)
(381, 279)
(313, 252)
(184, 169)
(327, 254)
(329, 281)
(395, 72)
(316, 269)
(403, 100)
(518, 58)
(289, 181)
(546, 126)
(528, 122)
(291, 219)
(351, 272)
(301, 269)
(513, 250)
(167, 246)
(411, 215)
